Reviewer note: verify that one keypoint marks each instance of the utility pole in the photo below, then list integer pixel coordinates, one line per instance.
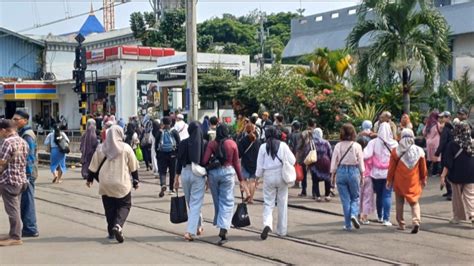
(79, 74)
(262, 37)
(191, 62)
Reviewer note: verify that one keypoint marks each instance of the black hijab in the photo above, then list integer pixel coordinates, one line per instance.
(273, 141)
(195, 143)
(222, 133)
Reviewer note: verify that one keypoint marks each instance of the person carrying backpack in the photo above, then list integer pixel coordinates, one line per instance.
(59, 143)
(146, 141)
(167, 141)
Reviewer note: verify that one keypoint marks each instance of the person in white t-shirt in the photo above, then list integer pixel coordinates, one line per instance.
(181, 127)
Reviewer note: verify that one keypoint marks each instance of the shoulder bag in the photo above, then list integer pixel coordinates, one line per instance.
(288, 171)
(312, 156)
(344, 156)
(95, 175)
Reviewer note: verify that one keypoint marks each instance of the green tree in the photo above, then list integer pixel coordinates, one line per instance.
(405, 36)
(462, 91)
(217, 85)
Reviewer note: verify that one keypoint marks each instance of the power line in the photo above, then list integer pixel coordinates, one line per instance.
(36, 26)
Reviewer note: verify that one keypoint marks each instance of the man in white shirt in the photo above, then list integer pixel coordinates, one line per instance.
(181, 127)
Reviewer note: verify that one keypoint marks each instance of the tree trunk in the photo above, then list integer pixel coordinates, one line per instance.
(406, 91)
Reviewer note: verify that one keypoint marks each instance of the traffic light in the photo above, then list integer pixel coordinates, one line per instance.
(81, 59)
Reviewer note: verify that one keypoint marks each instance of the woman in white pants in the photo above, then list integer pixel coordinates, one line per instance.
(154, 162)
(269, 166)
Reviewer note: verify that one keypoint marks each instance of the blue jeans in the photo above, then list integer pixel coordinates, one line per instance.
(383, 199)
(221, 181)
(28, 212)
(194, 188)
(348, 186)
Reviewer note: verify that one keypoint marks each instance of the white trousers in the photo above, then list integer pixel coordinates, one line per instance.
(274, 188)
(154, 161)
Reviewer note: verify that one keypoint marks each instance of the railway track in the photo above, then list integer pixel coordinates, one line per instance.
(253, 230)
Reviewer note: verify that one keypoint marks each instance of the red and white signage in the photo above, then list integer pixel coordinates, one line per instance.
(128, 52)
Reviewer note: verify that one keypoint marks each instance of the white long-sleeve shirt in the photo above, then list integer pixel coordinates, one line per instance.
(266, 162)
(182, 129)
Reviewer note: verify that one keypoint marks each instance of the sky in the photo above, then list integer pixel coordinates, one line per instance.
(18, 15)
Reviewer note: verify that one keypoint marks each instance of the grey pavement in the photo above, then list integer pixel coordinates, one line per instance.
(73, 229)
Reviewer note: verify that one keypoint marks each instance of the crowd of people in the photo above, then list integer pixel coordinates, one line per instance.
(364, 167)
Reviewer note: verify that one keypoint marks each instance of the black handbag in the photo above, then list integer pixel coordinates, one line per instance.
(241, 216)
(178, 212)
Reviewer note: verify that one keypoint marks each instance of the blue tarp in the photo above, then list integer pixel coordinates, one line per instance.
(91, 25)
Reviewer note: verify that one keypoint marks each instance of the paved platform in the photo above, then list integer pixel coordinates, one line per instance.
(73, 229)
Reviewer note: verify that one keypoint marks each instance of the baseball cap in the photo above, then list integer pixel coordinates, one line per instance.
(462, 111)
(254, 115)
(180, 116)
(445, 114)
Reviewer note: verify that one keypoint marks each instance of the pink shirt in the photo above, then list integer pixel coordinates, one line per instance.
(355, 156)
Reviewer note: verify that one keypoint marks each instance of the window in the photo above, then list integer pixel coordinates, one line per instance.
(207, 105)
(303, 21)
(319, 18)
(225, 104)
(334, 15)
(352, 11)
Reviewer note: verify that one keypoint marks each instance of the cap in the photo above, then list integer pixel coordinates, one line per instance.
(254, 115)
(23, 114)
(445, 114)
(462, 111)
(180, 116)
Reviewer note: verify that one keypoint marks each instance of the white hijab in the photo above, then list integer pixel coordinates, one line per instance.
(384, 140)
(113, 145)
(408, 150)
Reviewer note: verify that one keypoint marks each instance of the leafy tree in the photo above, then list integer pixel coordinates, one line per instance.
(462, 91)
(404, 36)
(217, 85)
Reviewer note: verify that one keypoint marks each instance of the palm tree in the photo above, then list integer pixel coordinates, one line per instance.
(405, 34)
(462, 91)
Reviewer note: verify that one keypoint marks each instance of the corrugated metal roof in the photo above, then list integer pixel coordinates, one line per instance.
(331, 30)
(6, 32)
(19, 56)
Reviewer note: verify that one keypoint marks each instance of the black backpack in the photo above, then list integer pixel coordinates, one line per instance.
(62, 143)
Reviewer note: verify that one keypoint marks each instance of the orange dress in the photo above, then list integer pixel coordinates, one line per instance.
(407, 182)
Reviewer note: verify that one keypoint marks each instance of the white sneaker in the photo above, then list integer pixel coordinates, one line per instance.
(387, 223)
(454, 221)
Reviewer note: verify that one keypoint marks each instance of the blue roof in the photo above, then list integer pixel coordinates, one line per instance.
(91, 25)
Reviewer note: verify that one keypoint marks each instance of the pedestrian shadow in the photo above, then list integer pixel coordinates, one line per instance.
(433, 199)
(156, 239)
(64, 239)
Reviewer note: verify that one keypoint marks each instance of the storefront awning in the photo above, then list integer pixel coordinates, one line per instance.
(28, 91)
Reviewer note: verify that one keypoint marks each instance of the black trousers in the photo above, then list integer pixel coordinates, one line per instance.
(146, 150)
(327, 186)
(166, 163)
(304, 183)
(116, 210)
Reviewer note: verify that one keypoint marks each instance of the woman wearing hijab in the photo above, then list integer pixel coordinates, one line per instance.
(58, 159)
(320, 171)
(103, 134)
(113, 163)
(206, 125)
(221, 178)
(407, 174)
(131, 136)
(404, 123)
(459, 171)
(432, 133)
(191, 151)
(269, 166)
(88, 146)
(248, 152)
(367, 201)
(378, 151)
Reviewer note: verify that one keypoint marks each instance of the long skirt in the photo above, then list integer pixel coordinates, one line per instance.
(58, 159)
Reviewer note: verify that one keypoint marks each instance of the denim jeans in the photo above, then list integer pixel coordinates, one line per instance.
(194, 188)
(383, 199)
(221, 181)
(28, 212)
(348, 186)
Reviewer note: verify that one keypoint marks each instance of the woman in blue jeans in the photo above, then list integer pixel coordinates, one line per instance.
(221, 179)
(347, 164)
(378, 152)
(190, 151)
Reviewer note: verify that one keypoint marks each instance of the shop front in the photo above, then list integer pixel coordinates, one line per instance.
(40, 100)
